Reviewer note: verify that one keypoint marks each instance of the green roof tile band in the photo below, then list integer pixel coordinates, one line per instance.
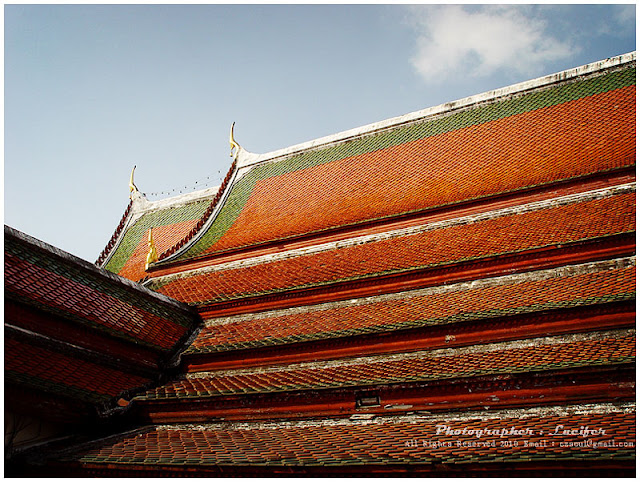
(554, 95)
(384, 328)
(134, 234)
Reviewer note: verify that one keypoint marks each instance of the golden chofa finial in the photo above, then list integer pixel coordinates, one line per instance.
(234, 144)
(132, 186)
(152, 256)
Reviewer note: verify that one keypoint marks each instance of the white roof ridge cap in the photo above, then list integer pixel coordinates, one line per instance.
(524, 86)
(175, 200)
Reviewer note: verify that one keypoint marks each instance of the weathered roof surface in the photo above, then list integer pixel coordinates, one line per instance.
(78, 331)
(39, 275)
(540, 354)
(511, 295)
(497, 233)
(562, 129)
(387, 443)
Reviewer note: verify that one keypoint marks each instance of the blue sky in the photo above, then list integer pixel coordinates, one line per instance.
(92, 90)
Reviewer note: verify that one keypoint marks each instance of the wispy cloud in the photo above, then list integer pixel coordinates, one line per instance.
(623, 19)
(479, 41)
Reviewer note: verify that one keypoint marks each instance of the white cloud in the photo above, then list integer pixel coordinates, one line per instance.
(478, 41)
(624, 18)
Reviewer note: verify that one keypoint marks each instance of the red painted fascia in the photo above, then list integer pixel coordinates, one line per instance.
(586, 385)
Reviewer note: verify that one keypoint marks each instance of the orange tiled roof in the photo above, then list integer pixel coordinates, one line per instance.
(607, 348)
(504, 234)
(407, 310)
(559, 132)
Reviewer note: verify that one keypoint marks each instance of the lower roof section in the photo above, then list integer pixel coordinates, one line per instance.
(52, 281)
(38, 368)
(607, 348)
(555, 437)
(532, 292)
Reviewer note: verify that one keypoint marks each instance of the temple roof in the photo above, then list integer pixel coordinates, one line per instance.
(504, 141)
(469, 266)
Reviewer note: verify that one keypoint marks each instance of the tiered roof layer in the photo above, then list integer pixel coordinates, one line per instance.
(567, 127)
(80, 333)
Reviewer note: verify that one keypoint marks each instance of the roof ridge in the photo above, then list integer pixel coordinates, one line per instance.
(206, 216)
(116, 234)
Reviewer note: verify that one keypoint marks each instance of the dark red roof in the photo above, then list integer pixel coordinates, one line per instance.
(81, 333)
(421, 440)
(41, 277)
(42, 369)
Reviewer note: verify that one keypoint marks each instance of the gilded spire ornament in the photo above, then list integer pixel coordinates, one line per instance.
(132, 186)
(152, 255)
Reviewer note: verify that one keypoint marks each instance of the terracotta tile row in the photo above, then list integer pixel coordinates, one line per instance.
(39, 368)
(480, 439)
(505, 234)
(459, 363)
(413, 311)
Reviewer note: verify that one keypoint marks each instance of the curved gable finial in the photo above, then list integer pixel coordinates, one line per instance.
(235, 147)
(239, 153)
(132, 186)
